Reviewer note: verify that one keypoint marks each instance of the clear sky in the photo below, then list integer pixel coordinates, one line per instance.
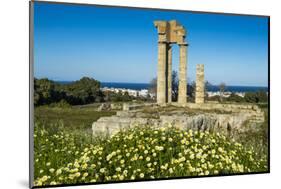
(120, 44)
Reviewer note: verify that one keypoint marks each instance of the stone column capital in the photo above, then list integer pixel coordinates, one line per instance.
(183, 44)
(161, 42)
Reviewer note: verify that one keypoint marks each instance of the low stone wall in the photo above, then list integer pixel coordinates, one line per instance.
(110, 106)
(221, 107)
(128, 107)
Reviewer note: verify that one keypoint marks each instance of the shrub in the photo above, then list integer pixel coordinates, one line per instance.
(256, 97)
(61, 104)
(235, 98)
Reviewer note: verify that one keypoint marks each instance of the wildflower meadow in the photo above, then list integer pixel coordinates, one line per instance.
(144, 152)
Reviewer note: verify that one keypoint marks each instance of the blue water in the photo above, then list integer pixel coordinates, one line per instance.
(139, 86)
(135, 86)
(213, 88)
(238, 88)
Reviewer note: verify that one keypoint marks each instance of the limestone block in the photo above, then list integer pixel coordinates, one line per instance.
(125, 106)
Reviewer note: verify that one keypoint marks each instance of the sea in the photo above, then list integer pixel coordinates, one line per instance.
(212, 88)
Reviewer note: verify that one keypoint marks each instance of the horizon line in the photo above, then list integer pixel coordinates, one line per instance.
(231, 85)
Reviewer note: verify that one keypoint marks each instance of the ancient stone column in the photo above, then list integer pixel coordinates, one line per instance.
(182, 74)
(200, 84)
(161, 75)
(169, 74)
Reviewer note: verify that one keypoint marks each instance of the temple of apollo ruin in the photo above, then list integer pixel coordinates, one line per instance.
(231, 117)
(169, 33)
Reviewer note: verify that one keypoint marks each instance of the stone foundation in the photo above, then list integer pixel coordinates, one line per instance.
(223, 118)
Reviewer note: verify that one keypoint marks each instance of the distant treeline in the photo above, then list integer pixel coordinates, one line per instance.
(84, 91)
(87, 90)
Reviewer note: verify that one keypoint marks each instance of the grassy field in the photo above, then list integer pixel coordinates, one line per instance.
(66, 152)
(72, 118)
(60, 132)
(258, 138)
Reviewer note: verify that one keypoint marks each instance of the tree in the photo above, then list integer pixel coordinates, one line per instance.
(153, 86)
(44, 92)
(262, 96)
(191, 87)
(126, 96)
(83, 91)
(207, 86)
(256, 97)
(235, 98)
(175, 85)
(250, 97)
(222, 89)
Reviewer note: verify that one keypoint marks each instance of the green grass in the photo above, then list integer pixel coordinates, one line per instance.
(66, 152)
(256, 138)
(72, 118)
(73, 125)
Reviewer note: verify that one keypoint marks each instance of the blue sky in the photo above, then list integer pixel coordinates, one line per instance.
(120, 44)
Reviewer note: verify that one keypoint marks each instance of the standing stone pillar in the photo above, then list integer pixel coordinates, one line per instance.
(182, 74)
(161, 75)
(169, 73)
(200, 84)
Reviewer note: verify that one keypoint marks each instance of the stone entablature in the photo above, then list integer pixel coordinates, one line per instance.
(170, 32)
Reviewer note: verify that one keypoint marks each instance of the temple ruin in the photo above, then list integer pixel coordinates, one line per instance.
(208, 116)
(170, 33)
